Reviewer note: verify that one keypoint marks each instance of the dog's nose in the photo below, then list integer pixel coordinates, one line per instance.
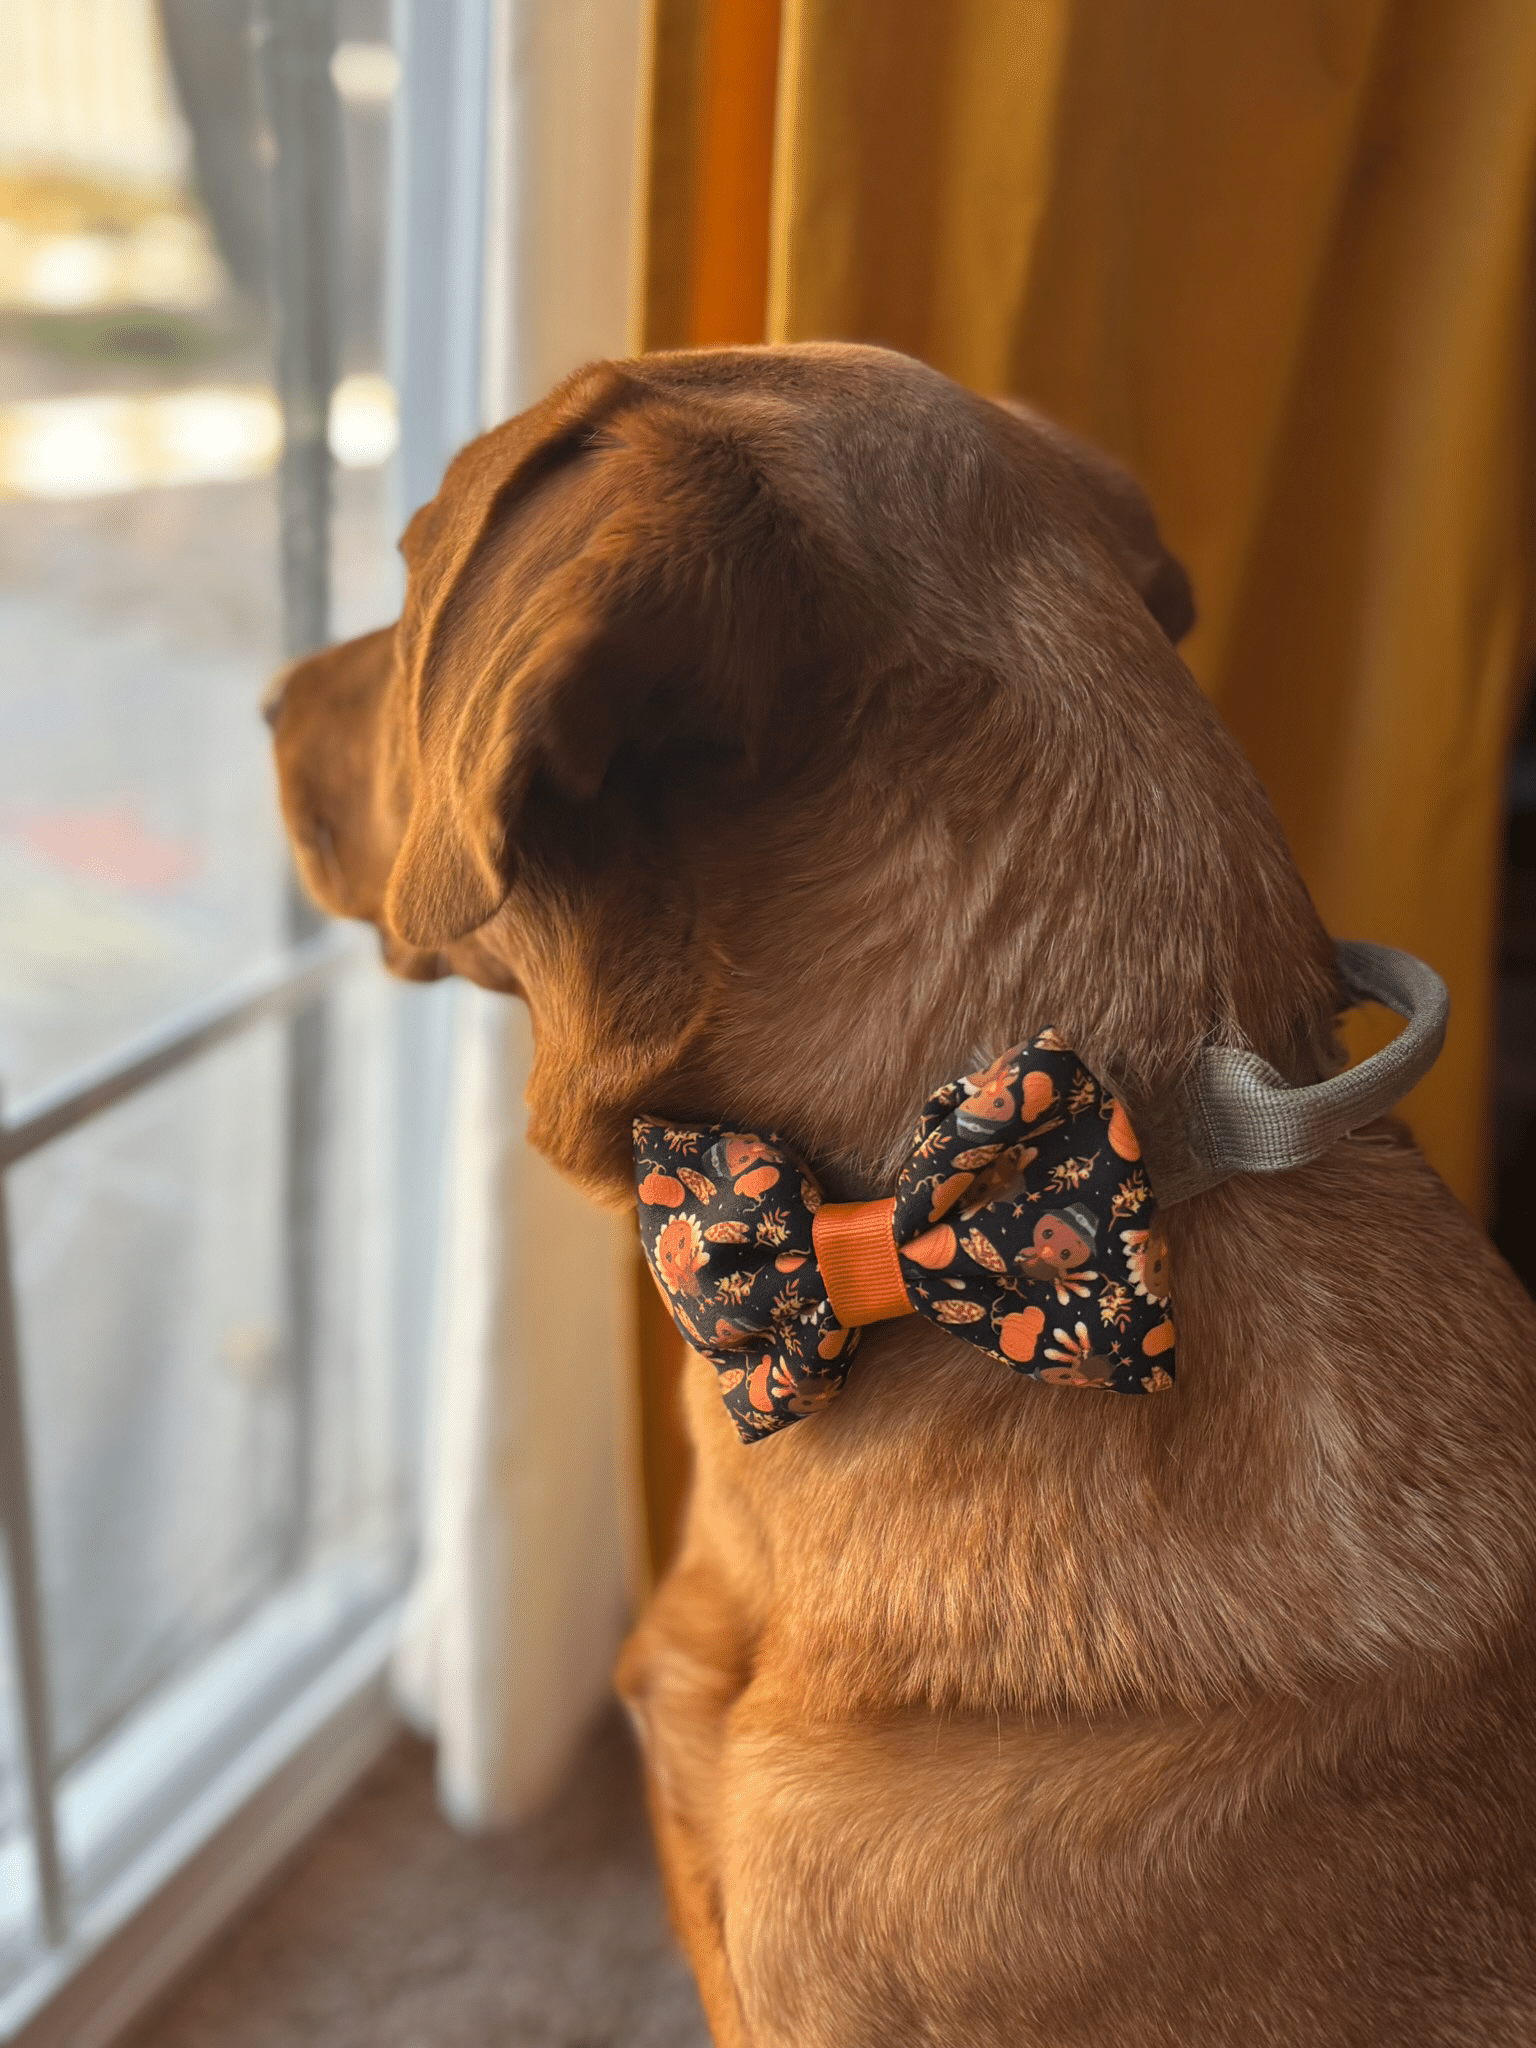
(272, 697)
(410, 964)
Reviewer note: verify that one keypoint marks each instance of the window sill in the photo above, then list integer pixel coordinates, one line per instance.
(150, 1922)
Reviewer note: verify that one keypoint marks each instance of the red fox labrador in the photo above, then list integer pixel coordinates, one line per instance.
(795, 731)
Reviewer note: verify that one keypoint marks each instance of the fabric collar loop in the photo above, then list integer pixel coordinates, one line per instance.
(1244, 1117)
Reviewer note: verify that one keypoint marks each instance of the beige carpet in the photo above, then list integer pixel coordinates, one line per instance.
(391, 1931)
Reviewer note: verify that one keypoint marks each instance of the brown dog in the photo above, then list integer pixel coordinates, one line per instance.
(796, 731)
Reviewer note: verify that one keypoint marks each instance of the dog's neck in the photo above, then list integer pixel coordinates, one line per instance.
(970, 906)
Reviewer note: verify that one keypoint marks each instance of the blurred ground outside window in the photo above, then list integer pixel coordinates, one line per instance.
(222, 1408)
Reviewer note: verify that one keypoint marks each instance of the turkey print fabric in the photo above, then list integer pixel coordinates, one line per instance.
(1023, 1224)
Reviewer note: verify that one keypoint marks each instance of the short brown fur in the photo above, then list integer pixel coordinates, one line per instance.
(796, 731)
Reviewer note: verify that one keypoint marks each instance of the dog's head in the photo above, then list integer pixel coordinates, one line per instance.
(684, 649)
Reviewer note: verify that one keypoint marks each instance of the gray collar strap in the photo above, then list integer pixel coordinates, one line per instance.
(1241, 1116)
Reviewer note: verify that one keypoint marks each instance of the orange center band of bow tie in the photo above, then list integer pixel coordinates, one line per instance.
(856, 1251)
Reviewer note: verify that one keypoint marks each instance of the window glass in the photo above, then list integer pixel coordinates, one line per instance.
(141, 859)
(220, 1329)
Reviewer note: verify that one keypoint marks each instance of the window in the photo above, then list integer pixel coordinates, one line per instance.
(229, 236)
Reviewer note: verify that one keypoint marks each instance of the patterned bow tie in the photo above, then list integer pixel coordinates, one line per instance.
(1022, 1223)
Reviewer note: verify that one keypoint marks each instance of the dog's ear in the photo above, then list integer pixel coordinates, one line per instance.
(565, 605)
(551, 694)
(1122, 519)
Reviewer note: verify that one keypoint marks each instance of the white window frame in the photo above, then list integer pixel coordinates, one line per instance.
(249, 1750)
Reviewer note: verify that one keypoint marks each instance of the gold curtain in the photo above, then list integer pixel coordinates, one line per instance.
(714, 80)
(1275, 256)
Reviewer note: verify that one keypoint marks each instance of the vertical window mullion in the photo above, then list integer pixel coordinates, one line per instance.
(26, 1613)
(295, 40)
(438, 171)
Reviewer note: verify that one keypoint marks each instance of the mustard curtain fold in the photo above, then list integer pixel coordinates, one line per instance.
(1277, 259)
(714, 81)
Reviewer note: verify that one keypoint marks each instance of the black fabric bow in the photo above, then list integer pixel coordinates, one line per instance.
(1023, 1223)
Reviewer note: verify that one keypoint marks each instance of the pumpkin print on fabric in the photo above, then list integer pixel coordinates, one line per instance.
(737, 1268)
(1023, 1224)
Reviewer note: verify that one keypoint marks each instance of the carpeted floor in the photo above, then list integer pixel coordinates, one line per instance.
(392, 1931)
